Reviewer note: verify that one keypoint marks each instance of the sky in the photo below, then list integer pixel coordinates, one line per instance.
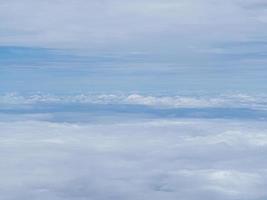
(143, 46)
(133, 99)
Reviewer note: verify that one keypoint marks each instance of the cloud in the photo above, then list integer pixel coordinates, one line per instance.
(162, 159)
(178, 101)
(126, 24)
(133, 45)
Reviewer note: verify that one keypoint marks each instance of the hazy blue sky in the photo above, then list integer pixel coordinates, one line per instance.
(147, 46)
(133, 99)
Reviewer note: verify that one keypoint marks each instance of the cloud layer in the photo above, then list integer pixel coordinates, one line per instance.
(129, 24)
(186, 159)
(160, 101)
(146, 45)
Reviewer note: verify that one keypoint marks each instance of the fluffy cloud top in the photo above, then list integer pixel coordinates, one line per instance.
(189, 159)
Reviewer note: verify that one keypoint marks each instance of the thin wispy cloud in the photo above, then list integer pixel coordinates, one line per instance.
(106, 24)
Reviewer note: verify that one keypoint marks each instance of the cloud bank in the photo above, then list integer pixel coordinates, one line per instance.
(162, 159)
(175, 101)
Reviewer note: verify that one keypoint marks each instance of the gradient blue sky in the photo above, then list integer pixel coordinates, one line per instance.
(58, 46)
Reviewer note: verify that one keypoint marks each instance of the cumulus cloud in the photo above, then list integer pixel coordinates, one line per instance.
(162, 159)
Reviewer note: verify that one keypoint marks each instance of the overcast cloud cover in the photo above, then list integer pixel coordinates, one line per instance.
(133, 100)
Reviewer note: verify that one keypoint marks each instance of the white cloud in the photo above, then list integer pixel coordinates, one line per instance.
(129, 24)
(193, 101)
(190, 159)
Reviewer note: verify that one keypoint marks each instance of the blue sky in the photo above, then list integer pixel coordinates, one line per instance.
(146, 46)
